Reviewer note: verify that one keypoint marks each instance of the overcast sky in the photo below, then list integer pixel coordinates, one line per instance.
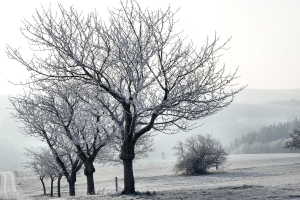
(265, 34)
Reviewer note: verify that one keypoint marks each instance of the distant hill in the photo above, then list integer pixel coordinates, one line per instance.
(286, 103)
(233, 122)
(269, 139)
(261, 96)
(251, 110)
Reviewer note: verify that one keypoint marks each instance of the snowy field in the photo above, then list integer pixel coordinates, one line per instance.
(247, 176)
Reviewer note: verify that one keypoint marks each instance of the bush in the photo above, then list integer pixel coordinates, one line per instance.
(199, 153)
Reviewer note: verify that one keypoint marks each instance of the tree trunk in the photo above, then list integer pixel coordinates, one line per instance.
(71, 188)
(127, 155)
(90, 184)
(89, 170)
(71, 180)
(44, 188)
(51, 187)
(128, 177)
(58, 186)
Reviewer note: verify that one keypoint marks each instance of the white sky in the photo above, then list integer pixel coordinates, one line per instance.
(265, 35)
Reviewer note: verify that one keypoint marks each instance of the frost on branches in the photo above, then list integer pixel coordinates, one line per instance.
(293, 142)
(63, 116)
(148, 77)
(199, 153)
(43, 163)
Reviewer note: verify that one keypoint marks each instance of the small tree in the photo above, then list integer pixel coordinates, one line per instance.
(43, 163)
(54, 171)
(199, 153)
(37, 123)
(293, 142)
(39, 169)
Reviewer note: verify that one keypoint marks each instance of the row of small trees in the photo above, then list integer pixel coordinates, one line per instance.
(75, 128)
(196, 155)
(99, 88)
(44, 165)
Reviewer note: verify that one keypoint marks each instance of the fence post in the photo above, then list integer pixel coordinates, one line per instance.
(116, 184)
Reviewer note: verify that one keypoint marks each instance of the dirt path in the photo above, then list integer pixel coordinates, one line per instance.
(8, 188)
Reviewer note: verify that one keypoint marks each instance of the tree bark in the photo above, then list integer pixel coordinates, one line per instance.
(127, 155)
(44, 188)
(89, 170)
(71, 180)
(58, 186)
(129, 185)
(51, 187)
(90, 184)
(71, 188)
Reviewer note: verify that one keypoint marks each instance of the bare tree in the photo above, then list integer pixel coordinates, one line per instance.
(81, 125)
(148, 77)
(199, 153)
(39, 169)
(44, 158)
(53, 170)
(36, 123)
(71, 119)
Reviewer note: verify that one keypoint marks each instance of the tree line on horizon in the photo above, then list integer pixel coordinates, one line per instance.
(268, 139)
(289, 103)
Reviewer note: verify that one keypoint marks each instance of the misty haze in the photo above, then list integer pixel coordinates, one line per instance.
(139, 100)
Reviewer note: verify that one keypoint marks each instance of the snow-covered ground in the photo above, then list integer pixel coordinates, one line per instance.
(247, 176)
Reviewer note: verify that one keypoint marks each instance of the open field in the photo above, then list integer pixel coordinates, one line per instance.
(247, 176)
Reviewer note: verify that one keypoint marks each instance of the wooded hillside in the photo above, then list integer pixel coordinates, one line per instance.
(269, 139)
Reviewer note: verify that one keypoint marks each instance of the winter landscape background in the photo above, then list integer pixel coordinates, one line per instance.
(265, 46)
(251, 110)
(244, 176)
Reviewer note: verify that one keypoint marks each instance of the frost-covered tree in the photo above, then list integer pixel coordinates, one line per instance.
(36, 123)
(293, 141)
(47, 166)
(71, 121)
(148, 77)
(53, 171)
(68, 119)
(199, 153)
(39, 169)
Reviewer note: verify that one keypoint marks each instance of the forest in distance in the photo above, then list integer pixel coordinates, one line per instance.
(269, 139)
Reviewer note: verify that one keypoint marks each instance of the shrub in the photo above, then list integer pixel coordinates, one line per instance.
(199, 153)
